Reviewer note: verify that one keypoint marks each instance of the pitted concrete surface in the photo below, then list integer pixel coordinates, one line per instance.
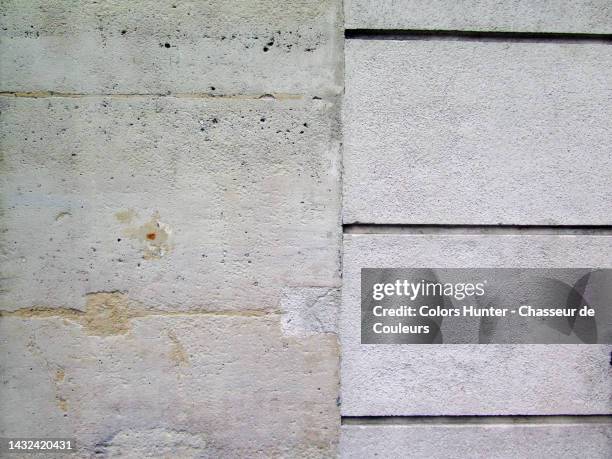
(180, 203)
(188, 46)
(170, 171)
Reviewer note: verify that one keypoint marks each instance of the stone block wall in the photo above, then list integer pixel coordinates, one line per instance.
(171, 226)
(476, 134)
(190, 189)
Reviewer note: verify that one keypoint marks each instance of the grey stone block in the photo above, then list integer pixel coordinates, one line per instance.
(563, 441)
(310, 310)
(379, 380)
(477, 132)
(179, 203)
(171, 385)
(193, 46)
(559, 16)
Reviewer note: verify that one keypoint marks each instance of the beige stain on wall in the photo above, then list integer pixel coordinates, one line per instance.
(111, 313)
(177, 352)
(154, 236)
(57, 376)
(105, 314)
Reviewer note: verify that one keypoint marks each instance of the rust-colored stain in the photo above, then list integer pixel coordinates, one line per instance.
(154, 235)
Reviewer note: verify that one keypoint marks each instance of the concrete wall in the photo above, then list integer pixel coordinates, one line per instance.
(475, 133)
(171, 226)
(177, 178)
(548, 16)
(495, 441)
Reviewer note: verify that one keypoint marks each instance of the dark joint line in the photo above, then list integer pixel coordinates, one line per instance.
(366, 228)
(478, 420)
(420, 34)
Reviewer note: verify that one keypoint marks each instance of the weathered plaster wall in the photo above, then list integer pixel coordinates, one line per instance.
(170, 226)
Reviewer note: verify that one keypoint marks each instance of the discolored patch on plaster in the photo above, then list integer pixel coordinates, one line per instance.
(56, 373)
(60, 374)
(126, 216)
(156, 442)
(309, 310)
(62, 403)
(41, 312)
(177, 351)
(108, 314)
(111, 313)
(105, 314)
(154, 236)
(61, 215)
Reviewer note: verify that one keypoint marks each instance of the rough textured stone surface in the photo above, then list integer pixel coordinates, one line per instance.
(170, 235)
(469, 379)
(477, 132)
(178, 203)
(491, 442)
(561, 16)
(187, 46)
(186, 385)
(310, 310)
